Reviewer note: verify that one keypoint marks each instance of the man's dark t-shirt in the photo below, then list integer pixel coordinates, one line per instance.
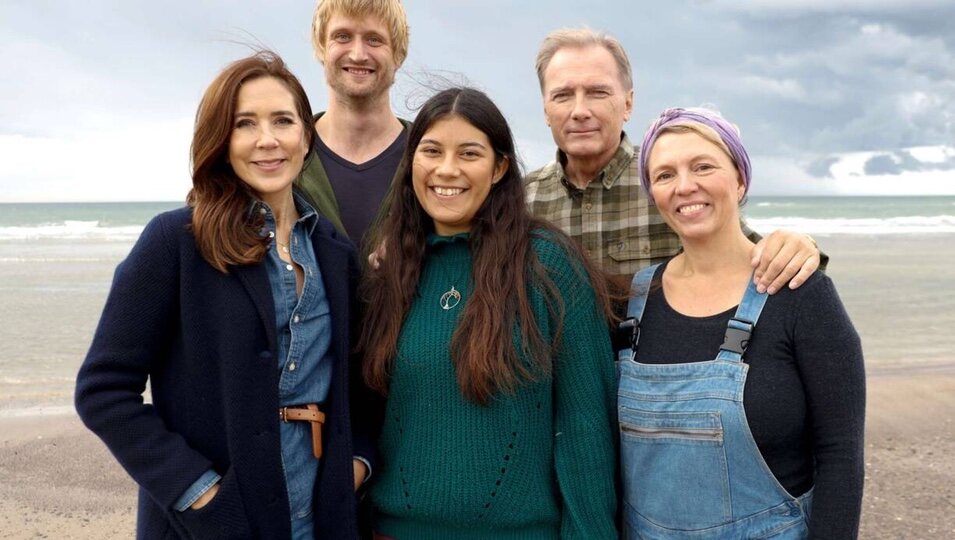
(360, 188)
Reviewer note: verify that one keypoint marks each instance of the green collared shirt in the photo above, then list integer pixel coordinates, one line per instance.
(611, 218)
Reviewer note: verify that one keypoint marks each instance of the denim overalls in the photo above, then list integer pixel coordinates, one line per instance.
(690, 466)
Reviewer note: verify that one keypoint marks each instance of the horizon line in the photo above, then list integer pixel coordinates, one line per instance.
(753, 196)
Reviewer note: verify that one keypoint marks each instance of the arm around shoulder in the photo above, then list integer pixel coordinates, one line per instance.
(783, 257)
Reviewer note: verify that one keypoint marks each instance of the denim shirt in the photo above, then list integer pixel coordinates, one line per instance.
(303, 328)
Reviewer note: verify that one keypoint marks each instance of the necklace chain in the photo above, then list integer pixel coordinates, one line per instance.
(281, 245)
(284, 245)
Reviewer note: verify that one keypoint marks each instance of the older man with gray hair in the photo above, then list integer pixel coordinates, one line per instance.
(592, 189)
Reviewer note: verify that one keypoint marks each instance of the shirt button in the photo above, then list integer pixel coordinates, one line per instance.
(295, 318)
(288, 267)
(263, 211)
(291, 367)
(271, 234)
(588, 206)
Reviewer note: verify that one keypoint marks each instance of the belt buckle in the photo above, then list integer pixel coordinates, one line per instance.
(282, 414)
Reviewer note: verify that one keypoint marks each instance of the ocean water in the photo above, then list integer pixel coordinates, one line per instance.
(813, 215)
(78, 221)
(852, 215)
(57, 262)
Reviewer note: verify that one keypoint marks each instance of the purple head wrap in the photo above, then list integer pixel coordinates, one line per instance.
(711, 119)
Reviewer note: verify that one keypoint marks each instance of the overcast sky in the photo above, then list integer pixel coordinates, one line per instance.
(853, 97)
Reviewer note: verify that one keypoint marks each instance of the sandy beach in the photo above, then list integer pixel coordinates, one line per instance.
(58, 481)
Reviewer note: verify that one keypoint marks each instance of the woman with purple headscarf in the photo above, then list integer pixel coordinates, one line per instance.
(731, 429)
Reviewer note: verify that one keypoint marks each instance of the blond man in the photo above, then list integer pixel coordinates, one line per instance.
(358, 142)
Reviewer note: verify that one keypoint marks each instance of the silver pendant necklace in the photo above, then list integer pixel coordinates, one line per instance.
(450, 299)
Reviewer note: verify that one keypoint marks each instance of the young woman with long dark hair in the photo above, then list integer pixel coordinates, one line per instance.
(488, 332)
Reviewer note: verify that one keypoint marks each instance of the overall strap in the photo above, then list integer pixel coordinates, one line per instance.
(629, 328)
(740, 327)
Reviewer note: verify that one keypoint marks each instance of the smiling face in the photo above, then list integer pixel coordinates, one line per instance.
(585, 102)
(359, 59)
(453, 171)
(267, 146)
(695, 184)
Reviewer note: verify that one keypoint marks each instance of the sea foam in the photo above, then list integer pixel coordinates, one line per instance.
(865, 226)
(68, 229)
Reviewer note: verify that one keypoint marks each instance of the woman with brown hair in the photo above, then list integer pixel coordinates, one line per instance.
(236, 310)
(488, 332)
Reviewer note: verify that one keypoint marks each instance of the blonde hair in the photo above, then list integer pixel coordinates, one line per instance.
(391, 12)
(581, 38)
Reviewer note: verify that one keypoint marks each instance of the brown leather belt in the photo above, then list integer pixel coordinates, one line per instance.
(306, 413)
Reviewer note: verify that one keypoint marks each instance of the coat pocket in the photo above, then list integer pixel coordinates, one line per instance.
(223, 517)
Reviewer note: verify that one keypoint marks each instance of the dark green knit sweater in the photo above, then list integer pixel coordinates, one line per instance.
(536, 464)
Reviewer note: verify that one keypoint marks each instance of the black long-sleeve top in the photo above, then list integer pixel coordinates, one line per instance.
(804, 396)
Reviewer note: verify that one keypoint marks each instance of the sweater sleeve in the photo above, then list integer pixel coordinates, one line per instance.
(584, 398)
(137, 325)
(829, 358)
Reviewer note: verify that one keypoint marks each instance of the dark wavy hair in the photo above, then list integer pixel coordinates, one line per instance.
(226, 234)
(484, 352)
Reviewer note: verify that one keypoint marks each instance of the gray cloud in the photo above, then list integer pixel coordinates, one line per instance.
(821, 168)
(899, 162)
(859, 86)
(882, 164)
(802, 79)
(829, 6)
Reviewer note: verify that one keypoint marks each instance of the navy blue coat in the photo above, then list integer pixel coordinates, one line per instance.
(206, 342)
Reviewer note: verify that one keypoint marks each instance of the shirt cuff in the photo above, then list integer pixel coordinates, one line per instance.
(200, 486)
(367, 466)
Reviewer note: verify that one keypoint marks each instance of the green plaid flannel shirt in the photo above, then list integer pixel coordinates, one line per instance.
(611, 218)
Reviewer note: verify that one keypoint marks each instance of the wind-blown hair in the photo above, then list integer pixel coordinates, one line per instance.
(225, 232)
(505, 266)
(391, 13)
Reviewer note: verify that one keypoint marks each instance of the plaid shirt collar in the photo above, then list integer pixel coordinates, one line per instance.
(607, 176)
